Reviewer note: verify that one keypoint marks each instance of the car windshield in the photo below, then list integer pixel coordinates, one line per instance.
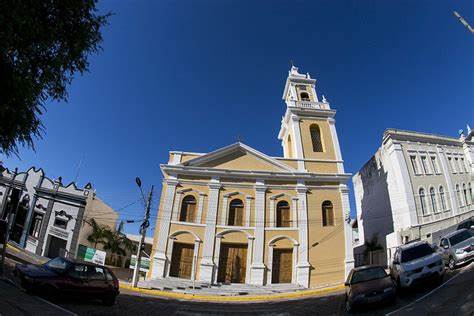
(460, 237)
(416, 252)
(57, 264)
(368, 274)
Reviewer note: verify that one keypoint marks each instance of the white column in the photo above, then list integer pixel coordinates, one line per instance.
(169, 254)
(248, 276)
(195, 259)
(271, 220)
(200, 207)
(270, 264)
(303, 264)
(217, 253)
(294, 211)
(346, 211)
(258, 267)
(248, 208)
(159, 258)
(207, 262)
(177, 203)
(452, 201)
(298, 145)
(225, 207)
(295, 263)
(337, 148)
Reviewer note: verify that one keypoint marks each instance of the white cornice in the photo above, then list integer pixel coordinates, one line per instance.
(254, 174)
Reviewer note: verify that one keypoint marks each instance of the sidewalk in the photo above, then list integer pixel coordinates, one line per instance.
(23, 256)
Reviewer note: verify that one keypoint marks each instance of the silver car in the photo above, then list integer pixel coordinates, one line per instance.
(457, 248)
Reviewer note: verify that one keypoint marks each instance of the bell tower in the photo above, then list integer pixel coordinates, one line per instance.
(308, 132)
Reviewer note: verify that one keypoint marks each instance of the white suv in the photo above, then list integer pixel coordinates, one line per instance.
(416, 262)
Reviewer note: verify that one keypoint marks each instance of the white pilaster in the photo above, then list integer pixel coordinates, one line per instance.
(248, 208)
(177, 203)
(270, 264)
(225, 208)
(248, 275)
(159, 258)
(294, 211)
(271, 220)
(195, 259)
(349, 251)
(207, 262)
(202, 196)
(217, 253)
(258, 267)
(297, 142)
(303, 267)
(337, 148)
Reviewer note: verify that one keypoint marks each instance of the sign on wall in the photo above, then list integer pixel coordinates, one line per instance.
(91, 255)
(144, 263)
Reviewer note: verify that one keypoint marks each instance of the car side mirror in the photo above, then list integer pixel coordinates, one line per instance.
(347, 283)
(396, 262)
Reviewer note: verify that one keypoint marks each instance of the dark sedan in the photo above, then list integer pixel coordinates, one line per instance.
(66, 277)
(368, 284)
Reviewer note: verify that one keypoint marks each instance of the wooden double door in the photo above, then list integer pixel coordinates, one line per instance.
(232, 263)
(182, 260)
(282, 266)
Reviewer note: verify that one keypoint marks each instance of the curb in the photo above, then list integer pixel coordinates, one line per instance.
(240, 299)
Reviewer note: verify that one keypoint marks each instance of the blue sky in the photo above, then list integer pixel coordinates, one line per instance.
(195, 75)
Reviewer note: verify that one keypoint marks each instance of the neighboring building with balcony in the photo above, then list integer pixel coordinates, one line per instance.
(46, 217)
(415, 186)
(236, 215)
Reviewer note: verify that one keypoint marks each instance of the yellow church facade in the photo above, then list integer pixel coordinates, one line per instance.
(236, 215)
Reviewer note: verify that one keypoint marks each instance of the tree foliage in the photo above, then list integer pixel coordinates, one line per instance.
(42, 45)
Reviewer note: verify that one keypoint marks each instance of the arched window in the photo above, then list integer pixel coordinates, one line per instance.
(316, 138)
(283, 218)
(188, 209)
(328, 214)
(466, 198)
(422, 201)
(433, 200)
(236, 210)
(458, 191)
(442, 198)
(304, 96)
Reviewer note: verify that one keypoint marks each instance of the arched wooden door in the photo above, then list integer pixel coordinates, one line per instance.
(282, 266)
(232, 263)
(182, 260)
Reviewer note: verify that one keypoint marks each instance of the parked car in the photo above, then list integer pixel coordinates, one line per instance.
(416, 262)
(457, 248)
(468, 224)
(368, 284)
(66, 277)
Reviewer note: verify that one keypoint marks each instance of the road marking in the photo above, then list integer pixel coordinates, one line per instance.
(429, 293)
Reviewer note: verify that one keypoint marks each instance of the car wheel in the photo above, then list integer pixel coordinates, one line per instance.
(109, 301)
(451, 263)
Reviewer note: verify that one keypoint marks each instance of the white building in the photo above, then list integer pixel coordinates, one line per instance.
(46, 217)
(414, 187)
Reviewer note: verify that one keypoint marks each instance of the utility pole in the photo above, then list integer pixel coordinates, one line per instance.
(464, 22)
(143, 228)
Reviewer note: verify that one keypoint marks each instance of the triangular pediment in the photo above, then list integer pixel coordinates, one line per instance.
(238, 156)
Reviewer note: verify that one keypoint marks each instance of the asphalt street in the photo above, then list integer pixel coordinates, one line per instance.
(455, 297)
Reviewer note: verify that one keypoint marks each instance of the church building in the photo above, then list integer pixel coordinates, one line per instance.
(237, 215)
